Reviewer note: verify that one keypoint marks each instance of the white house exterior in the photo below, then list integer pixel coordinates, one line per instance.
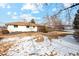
(21, 27)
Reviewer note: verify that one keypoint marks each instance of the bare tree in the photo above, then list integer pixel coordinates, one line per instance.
(56, 23)
(52, 20)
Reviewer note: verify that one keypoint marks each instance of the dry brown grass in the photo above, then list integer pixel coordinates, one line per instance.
(38, 35)
(4, 48)
(39, 38)
(56, 34)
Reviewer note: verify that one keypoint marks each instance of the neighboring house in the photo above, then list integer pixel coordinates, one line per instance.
(21, 27)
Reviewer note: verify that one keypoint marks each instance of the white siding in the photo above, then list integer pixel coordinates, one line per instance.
(11, 28)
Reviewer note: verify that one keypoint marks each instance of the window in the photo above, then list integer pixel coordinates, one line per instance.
(27, 26)
(33, 26)
(15, 26)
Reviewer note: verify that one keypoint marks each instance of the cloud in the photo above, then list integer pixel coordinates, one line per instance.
(29, 6)
(38, 18)
(4, 5)
(34, 7)
(11, 13)
(67, 4)
(35, 11)
(54, 9)
(14, 13)
(28, 17)
(8, 6)
(8, 13)
(14, 17)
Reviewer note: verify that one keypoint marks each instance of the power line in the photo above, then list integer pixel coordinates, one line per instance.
(67, 8)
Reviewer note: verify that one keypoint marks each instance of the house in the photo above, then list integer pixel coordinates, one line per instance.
(21, 27)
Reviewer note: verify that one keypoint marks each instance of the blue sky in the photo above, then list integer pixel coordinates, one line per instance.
(10, 12)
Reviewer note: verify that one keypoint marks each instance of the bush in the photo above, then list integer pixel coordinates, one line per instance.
(5, 31)
(76, 21)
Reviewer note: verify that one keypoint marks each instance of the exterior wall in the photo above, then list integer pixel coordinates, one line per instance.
(11, 28)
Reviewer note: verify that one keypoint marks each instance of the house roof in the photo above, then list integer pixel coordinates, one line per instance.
(22, 23)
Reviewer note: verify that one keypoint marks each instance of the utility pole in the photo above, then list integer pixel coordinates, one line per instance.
(69, 17)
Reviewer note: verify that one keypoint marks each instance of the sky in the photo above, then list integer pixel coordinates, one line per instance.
(10, 12)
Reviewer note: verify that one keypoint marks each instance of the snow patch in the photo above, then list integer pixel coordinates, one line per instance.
(27, 46)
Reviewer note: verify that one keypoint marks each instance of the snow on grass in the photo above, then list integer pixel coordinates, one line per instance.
(25, 46)
(65, 46)
(28, 46)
